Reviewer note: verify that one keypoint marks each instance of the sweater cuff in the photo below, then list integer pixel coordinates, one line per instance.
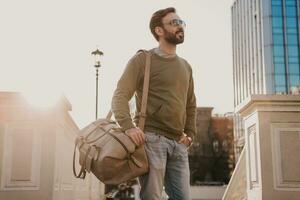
(127, 124)
(190, 134)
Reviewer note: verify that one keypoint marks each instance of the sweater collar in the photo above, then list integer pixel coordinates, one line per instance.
(161, 57)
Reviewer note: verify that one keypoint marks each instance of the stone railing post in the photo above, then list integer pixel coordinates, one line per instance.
(272, 135)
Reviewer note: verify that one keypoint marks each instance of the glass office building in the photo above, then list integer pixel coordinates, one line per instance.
(285, 32)
(265, 39)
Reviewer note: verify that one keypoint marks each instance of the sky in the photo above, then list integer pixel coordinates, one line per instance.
(46, 46)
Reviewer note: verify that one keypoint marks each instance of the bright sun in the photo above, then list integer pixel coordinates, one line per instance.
(42, 99)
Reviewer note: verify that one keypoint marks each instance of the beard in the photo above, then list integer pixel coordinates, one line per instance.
(176, 38)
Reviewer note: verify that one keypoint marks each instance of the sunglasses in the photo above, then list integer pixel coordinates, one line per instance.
(176, 22)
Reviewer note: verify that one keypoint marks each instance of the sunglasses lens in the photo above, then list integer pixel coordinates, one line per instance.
(182, 23)
(178, 22)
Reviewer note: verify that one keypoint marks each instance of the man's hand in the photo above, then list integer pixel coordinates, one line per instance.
(137, 135)
(186, 140)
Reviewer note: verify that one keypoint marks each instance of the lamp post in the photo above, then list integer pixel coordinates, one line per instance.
(97, 53)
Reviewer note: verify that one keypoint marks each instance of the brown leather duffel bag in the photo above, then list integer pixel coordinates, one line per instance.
(109, 153)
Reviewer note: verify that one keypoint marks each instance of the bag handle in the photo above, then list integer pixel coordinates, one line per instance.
(142, 115)
(82, 171)
(129, 155)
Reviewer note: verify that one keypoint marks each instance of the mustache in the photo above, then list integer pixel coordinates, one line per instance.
(180, 31)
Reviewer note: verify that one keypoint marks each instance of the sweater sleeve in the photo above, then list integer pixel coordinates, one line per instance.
(126, 87)
(190, 125)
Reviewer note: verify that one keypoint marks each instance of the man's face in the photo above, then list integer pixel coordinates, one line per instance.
(173, 29)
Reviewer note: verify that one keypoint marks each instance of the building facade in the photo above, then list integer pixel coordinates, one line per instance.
(36, 152)
(211, 156)
(265, 40)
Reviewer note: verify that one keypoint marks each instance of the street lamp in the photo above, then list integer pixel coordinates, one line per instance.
(97, 53)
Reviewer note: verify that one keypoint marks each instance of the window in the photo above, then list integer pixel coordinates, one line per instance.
(279, 68)
(291, 30)
(280, 79)
(280, 89)
(290, 3)
(277, 22)
(293, 59)
(292, 51)
(276, 10)
(278, 39)
(278, 50)
(279, 59)
(294, 68)
(294, 80)
(291, 22)
(277, 30)
(277, 2)
(290, 11)
(292, 39)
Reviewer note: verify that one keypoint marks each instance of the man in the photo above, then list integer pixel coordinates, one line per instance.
(171, 109)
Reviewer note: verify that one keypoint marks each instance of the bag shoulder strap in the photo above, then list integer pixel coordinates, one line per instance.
(142, 114)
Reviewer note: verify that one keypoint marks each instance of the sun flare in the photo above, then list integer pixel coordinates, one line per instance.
(42, 99)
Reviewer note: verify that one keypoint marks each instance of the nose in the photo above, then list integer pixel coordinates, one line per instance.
(181, 26)
(180, 29)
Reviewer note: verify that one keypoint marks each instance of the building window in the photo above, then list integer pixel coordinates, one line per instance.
(294, 68)
(293, 59)
(294, 80)
(291, 31)
(286, 45)
(293, 51)
(280, 68)
(277, 30)
(278, 39)
(277, 2)
(277, 10)
(278, 50)
(280, 79)
(277, 22)
(291, 11)
(290, 3)
(280, 89)
(291, 22)
(279, 59)
(292, 39)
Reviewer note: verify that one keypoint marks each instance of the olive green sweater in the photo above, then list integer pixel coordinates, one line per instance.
(171, 106)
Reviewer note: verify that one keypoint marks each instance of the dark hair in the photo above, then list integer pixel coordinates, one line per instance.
(156, 19)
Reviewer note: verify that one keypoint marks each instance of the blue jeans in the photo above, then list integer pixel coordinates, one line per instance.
(169, 167)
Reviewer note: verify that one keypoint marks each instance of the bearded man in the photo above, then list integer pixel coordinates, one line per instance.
(171, 109)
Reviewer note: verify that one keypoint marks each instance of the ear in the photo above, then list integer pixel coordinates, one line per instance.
(159, 31)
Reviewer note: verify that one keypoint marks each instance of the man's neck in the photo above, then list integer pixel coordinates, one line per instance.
(167, 48)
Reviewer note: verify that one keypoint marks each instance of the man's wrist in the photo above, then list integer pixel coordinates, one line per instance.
(129, 129)
(190, 141)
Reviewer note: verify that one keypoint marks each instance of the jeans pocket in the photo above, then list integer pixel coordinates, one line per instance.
(183, 146)
(152, 137)
(182, 152)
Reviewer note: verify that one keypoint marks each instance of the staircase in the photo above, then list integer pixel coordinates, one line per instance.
(236, 189)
